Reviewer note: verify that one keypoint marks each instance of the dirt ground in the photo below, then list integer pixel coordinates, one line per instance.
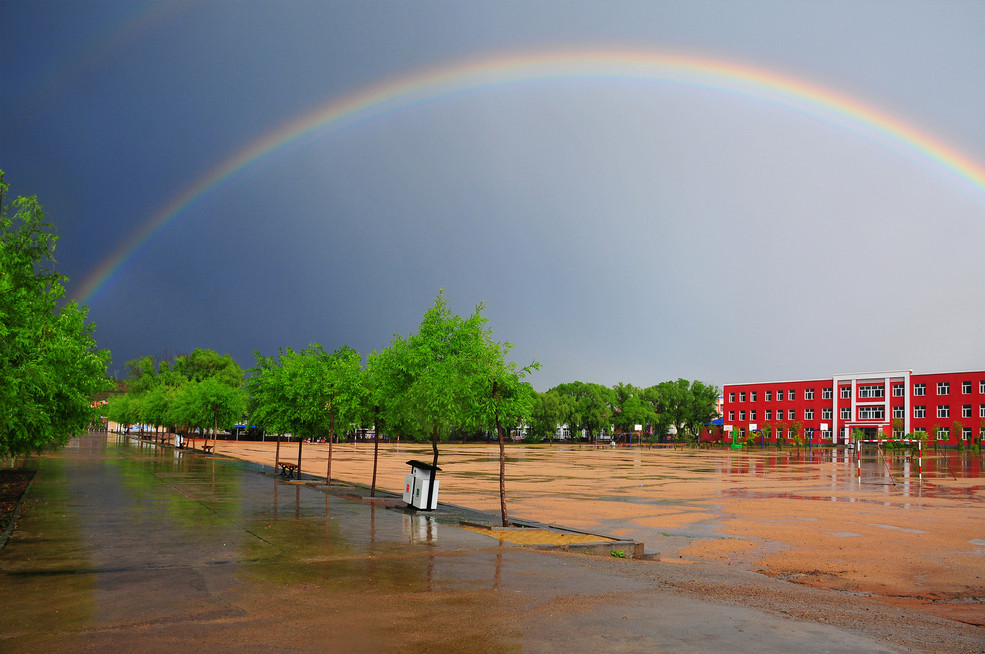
(805, 518)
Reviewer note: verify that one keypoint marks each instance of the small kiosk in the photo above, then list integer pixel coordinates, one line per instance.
(421, 486)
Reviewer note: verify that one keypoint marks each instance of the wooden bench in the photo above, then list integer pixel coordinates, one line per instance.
(288, 469)
(208, 448)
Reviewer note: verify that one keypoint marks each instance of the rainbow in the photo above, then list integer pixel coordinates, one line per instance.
(728, 76)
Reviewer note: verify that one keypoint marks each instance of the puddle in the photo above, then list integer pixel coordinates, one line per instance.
(908, 531)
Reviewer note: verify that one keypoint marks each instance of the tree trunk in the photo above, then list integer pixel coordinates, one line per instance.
(376, 450)
(300, 443)
(331, 436)
(277, 454)
(434, 464)
(502, 473)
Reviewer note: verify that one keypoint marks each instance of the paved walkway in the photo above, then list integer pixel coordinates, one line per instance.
(124, 546)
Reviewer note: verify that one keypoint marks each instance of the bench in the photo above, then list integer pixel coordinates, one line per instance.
(288, 469)
(208, 448)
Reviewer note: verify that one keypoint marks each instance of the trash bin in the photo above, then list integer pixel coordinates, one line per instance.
(418, 489)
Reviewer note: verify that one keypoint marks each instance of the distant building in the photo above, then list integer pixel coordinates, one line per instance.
(948, 406)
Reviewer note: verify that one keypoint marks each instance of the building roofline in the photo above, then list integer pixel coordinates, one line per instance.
(858, 375)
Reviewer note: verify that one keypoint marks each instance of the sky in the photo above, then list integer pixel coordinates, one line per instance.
(636, 191)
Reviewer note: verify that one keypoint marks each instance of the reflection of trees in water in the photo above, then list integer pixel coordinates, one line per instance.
(192, 490)
(33, 594)
(300, 542)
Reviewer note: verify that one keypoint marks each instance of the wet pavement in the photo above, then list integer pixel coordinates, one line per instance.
(132, 546)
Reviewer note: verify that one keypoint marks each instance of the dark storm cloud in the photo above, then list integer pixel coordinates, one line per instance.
(615, 232)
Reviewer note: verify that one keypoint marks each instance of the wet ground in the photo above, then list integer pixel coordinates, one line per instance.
(131, 546)
(904, 528)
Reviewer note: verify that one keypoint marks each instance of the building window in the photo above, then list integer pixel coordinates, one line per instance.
(981, 387)
(870, 412)
(793, 394)
(752, 396)
(943, 388)
(871, 391)
(826, 414)
(897, 390)
(731, 398)
(966, 434)
(943, 433)
(752, 415)
(769, 414)
(779, 396)
(742, 416)
(898, 412)
(966, 411)
(769, 396)
(943, 410)
(846, 392)
(846, 413)
(808, 414)
(809, 394)
(826, 434)
(792, 414)
(919, 389)
(826, 393)
(966, 387)
(920, 411)
(742, 397)
(731, 416)
(981, 410)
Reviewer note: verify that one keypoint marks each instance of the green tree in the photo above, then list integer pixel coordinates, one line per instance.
(307, 392)
(546, 415)
(689, 406)
(447, 375)
(629, 408)
(427, 379)
(502, 397)
(588, 409)
(49, 365)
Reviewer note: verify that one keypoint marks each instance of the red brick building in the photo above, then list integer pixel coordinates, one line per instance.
(948, 406)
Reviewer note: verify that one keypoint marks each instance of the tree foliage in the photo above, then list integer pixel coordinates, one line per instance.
(450, 374)
(308, 392)
(429, 381)
(686, 405)
(49, 365)
(586, 407)
(630, 408)
(202, 390)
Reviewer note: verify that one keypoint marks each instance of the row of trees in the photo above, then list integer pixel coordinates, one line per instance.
(448, 376)
(200, 391)
(686, 406)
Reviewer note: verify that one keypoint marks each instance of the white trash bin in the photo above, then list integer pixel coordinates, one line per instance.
(417, 486)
